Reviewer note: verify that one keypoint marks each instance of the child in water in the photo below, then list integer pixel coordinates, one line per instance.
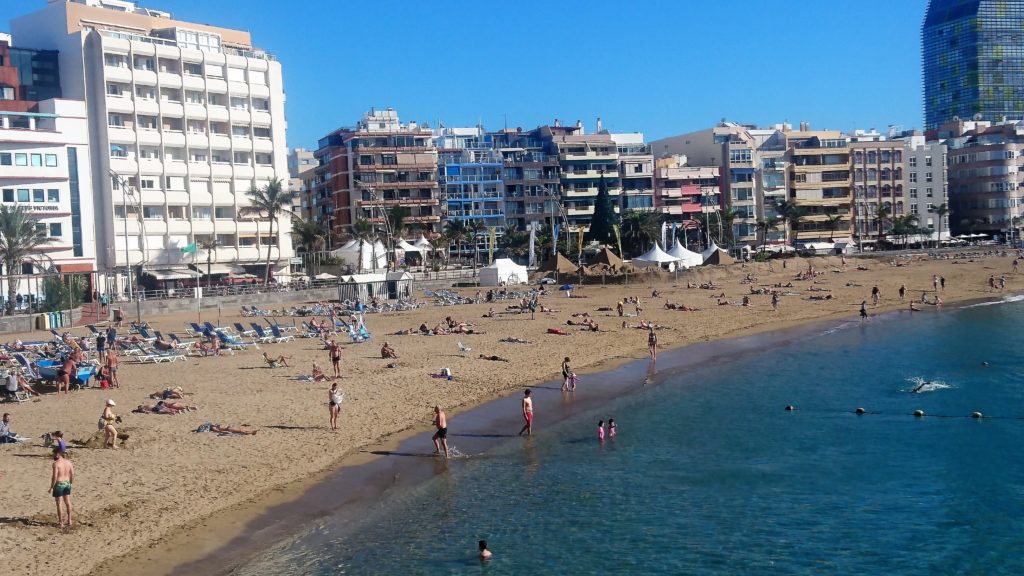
(600, 431)
(611, 428)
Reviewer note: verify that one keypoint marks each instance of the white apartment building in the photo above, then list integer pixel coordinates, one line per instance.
(189, 116)
(44, 167)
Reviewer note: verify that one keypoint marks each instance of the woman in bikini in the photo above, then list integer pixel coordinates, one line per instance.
(334, 400)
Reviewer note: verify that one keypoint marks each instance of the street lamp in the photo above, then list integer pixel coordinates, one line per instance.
(128, 192)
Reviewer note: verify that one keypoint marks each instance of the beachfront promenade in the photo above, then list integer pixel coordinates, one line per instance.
(168, 477)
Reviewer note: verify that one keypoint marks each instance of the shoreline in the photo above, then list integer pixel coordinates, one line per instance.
(394, 462)
(171, 483)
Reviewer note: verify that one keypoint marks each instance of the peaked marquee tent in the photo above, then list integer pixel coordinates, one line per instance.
(503, 271)
(362, 254)
(715, 255)
(656, 256)
(687, 258)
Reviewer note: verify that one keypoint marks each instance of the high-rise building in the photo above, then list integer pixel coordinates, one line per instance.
(925, 183)
(683, 194)
(985, 162)
(877, 166)
(973, 60)
(26, 76)
(818, 164)
(472, 188)
(531, 177)
(379, 164)
(585, 161)
(184, 119)
(636, 170)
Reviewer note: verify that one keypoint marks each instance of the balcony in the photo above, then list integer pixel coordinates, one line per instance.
(400, 201)
(118, 74)
(259, 91)
(169, 79)
(195, 111)
(590, 155)
(120, 104)
(571, 174)
(189, 82)
(144, 77)
(218, 113)
(588, 211)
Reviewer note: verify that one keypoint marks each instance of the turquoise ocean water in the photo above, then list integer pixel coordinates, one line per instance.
(709, 475)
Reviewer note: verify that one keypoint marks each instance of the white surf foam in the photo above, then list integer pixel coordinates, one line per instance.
(919, 384)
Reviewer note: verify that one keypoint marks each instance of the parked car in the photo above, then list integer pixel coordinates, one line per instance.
(546, 280)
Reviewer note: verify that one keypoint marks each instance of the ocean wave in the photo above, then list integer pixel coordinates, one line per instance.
(1003, 300)
(920, 385)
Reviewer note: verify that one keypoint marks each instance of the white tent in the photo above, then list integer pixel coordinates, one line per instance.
(503, 271)
(363, 254)
(687, 258)
(422, 243)
(326, 276)
(657, 255)
(403, 245)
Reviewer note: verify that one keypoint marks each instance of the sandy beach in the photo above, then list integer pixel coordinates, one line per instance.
(169, 478)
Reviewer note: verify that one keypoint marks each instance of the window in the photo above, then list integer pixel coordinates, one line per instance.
(913, 193)
(145, 92)
(260, 104)
(51, 160)
(37, 160)
(913, 177)
(912, 161)
(115, 120)
(114, 89)
(20, 159)
(927, 192)
(241, 158)
(170, 95)
(927, 160)
(242, 131)
(142, 63)
(22, 194)
(740, 155)
(8, 194)
(913, 209)
(118, 151)
(38, 195)
(55, 230)
(147, 122)
(149, 153)
(5, 159)
(928, 177)
(197, 156)
(265, 159)
(147, 184)
(6, 93)
(239, 103)
(192, 69)
(193, 97)
(196, 127)
(215, 99)
(265, 133)
(53, 195)
(115, 60)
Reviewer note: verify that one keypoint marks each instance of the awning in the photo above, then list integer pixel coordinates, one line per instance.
(216, 269)
(175, 274)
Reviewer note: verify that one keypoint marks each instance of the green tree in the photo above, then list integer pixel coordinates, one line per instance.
(210, 246)
(21, 237)
(832, 223)
(604, 216)
(784, 208)
(62, 294)
(883, 216)
(514, 243)
(455, 231)
(942, 210)
(765, 226)
(796, 217)
(727, 217)
(308, 236)
(271, 200)
(639, 229)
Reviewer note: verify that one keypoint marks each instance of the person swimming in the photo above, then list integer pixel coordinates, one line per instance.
(611, 428)
(917, 389)
(600, 431)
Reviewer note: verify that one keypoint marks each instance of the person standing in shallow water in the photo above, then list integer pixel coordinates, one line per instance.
(652, 343)
(527, 406)
(864, 310)
(566, 373)
(441, 436)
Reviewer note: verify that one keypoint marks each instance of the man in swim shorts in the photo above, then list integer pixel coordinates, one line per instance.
(60, 485)
(441, 436)
(527, 414)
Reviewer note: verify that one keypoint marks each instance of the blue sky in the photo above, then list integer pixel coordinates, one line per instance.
(662, 68)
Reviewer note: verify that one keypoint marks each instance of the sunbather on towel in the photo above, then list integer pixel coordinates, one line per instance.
(169, 394)
(219, 429)
(277, 362)
(163, 407)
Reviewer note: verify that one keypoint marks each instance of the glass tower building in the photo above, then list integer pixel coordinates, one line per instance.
(973, 60)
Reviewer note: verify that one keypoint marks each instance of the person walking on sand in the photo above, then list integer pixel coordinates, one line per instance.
(864, 310)
(991, 282)
(566, 373)
(60, 485)
(112, 368)
(652, 343)
(775, 301)
(935, 282)
(527, 407)
(108, 419)
(875, 295)
(903, 291)
(335, 357)
(942, 283)
(1016, 264)
(441, 436)
(335, 397)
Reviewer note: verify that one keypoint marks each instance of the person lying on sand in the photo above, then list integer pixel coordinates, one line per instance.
(219, 429)
(683, 307)
(405, 332)
(386, 351)
(169, 394)
(489, 314)
(544, 308)
(515, 340)
(723, 302)
(826, 297)
(558, 331)
(493, 358)
(163, 407)
(276, 362)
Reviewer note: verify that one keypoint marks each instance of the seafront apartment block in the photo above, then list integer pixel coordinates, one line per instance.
(183, 119)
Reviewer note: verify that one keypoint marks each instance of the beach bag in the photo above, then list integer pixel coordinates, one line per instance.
(446, 372)
(101, 424)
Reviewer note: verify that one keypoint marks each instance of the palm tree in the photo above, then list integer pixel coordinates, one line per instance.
(725, 218)
(784, 208)
(455, 230)
(271, 200)
(882, 217)
(473, 229)
(514, 243)
(309, 235)
(942, 210)
(765, 226)
(208, 245)
(833, 224)
(20, 241)
(796, 215)
(639, 230)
